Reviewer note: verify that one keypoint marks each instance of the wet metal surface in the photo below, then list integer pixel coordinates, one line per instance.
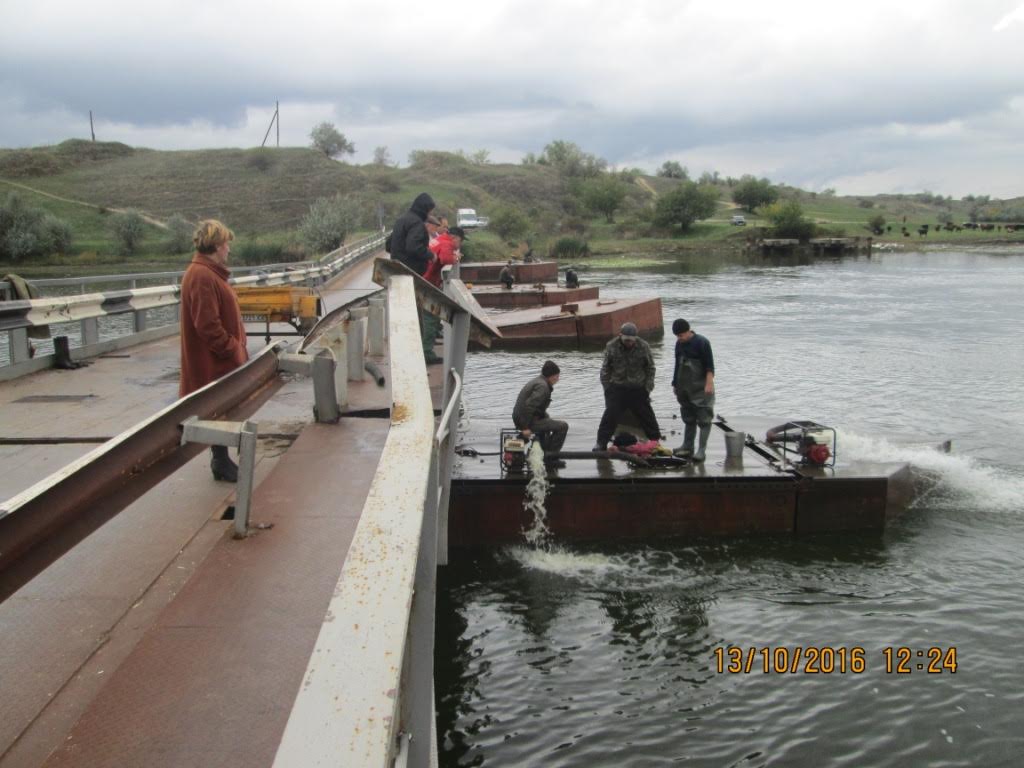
(213, 682)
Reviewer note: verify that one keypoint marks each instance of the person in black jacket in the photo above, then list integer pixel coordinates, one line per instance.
(409, 243)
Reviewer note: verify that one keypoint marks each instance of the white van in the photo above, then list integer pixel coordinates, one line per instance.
(739, 221)
(467, 219)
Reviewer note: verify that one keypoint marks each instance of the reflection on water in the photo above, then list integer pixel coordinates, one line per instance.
(604, 655)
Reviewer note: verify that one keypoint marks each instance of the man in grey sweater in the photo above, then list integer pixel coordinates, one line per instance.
(530, 414)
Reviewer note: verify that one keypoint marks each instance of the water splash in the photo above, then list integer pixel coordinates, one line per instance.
(962, 480)
(538, 535)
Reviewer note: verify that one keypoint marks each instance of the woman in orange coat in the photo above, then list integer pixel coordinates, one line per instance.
(212, 333)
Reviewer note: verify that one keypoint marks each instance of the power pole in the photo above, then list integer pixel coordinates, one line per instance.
(274, 119)
(91, 129)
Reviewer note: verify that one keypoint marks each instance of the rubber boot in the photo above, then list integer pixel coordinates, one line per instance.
(686, 449)
(705, 433)
(62, 355)
(222, 466)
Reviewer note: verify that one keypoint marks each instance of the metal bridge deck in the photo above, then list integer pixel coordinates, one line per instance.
(160, 640)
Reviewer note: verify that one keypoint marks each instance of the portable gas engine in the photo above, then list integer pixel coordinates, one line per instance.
(814, 443)
(513, 449)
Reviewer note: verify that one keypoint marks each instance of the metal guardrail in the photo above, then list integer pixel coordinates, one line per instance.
(87, 308)
(368, 693)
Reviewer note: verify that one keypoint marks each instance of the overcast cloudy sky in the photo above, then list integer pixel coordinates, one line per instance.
(865, 97)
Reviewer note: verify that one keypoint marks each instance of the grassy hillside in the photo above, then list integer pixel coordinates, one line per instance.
(264, 193)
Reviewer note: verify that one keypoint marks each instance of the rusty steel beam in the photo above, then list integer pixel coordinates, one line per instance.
(43, 522)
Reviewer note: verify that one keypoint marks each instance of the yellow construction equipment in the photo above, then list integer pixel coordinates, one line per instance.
(297, 306)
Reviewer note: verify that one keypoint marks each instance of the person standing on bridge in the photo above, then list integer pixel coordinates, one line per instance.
(530, 414)
(693, 381)
(212, 332)
(409, 243)
(627, 375)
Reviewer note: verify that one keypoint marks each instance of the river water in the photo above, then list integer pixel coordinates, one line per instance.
(605, 655)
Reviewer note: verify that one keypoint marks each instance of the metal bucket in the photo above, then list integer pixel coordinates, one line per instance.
(734, 444)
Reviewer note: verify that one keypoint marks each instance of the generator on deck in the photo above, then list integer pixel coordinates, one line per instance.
(297, 306)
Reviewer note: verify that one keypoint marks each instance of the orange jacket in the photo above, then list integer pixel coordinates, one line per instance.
(212, 333)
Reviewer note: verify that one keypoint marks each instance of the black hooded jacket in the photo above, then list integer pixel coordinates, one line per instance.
(408, 240)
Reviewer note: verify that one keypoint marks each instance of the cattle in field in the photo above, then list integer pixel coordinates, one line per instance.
(922, 231)
(1012, 227)
(986, 227)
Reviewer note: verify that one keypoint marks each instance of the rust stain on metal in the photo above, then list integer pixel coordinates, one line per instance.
(399, 413)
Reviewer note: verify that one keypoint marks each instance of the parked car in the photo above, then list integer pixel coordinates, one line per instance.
(739, 221)
(467, 219)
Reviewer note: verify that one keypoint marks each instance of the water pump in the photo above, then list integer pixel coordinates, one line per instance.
(814, 443)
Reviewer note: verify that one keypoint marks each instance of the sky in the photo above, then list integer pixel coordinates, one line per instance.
(862, 97)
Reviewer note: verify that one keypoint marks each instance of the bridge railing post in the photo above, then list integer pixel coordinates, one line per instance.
(356, 343)
(231, 434)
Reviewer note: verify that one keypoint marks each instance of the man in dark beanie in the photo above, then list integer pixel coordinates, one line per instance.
(530, 414)
(693, 381)
(627, 375)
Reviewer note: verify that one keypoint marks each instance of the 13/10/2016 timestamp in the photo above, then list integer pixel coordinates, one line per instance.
(827, 660)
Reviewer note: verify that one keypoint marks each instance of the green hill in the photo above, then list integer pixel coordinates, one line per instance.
(263, 195)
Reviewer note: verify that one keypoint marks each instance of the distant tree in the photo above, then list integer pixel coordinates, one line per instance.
(670, 169)
(129, 229)
(876, 224)
(480, 157)
(179, 235)
(787, 220)
(945, 217)
(529, 159)
(509, 223)
(710, 177)
(570, 161)
(753, 193)
(687, 203)
(603, 194)
(330, 141)
(381, 156)
(327, 222)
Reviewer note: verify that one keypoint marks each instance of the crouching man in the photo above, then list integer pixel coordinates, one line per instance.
(530, 414)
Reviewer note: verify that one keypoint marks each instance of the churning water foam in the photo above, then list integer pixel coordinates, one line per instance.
(961, 481)
(958, 482)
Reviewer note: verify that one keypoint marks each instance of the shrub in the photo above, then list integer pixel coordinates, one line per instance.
(129, 229)
(570, 248)
(787, 220)
(27, 232)
(179, 235)
(876, 224)
(865, 203)
(328, 221)
(671, 169)
(509, 223)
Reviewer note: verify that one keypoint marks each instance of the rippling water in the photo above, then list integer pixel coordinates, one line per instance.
(605, 655)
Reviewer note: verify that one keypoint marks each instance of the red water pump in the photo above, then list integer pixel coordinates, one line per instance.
(814, 443)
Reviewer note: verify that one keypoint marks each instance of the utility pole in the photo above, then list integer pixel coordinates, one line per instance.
(277, 119)
(91, 129)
